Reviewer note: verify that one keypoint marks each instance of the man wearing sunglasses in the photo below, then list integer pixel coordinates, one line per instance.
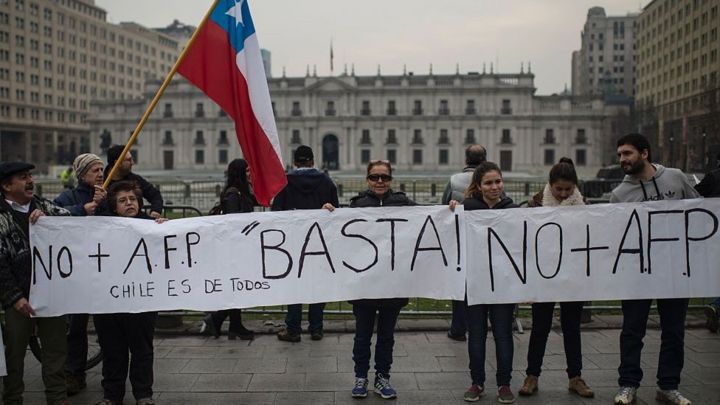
(307, 188)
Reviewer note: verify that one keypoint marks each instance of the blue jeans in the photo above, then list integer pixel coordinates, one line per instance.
(542, 314)
(294, 317)
(364, 323)
(672, 341)
(501, 317)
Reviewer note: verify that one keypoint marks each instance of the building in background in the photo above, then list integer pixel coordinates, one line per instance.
(421, 123)
(55, 57)
(678, 89)
(605, 63)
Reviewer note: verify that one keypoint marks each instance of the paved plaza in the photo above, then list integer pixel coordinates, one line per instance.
(428, 367)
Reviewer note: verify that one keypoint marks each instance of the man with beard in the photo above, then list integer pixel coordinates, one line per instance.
(19, 208)
(645, 181)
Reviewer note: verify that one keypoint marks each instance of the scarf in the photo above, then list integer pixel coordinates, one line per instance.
(550, 201)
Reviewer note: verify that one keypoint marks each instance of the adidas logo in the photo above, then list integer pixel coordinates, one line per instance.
(670, 194)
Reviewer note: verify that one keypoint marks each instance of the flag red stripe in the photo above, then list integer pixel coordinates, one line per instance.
(210, 65)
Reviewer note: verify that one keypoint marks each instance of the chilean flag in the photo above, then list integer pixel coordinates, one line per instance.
(224, 62)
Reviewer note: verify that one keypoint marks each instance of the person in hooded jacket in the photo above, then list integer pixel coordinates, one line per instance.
(486, 192)
(307, 188)
(87, 198)
(645, 181)
(560, 191)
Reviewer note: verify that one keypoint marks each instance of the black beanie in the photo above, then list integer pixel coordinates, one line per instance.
(113, 154)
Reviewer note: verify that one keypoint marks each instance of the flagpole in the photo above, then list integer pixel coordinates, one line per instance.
(156, 98)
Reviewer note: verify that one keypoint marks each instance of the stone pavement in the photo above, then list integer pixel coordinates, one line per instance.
(429, 368)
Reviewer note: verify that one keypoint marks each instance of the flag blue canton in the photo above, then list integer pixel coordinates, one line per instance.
(237, 31)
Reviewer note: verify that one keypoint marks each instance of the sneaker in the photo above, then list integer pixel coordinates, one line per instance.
(459, 338)
(578, 386)
(383, 387)
(474, 393)
(625, 396)
(360, 389)
(530, 386)
(145, 401)
(287, 336)
(671, 397)
(711, 318)
(317, 335)
(74, 384)
(505, 395)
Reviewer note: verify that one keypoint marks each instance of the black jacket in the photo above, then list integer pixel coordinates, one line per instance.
(307, 189)
(15, 257)
(234, 202)
(710, 184)
(390, 199)
(74, 200)
(477, 203)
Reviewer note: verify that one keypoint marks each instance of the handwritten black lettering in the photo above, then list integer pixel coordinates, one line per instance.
(99, 257)
(522, 276)
(264, 247)
(634, 217)
(392, 237)
(189, 243)
(650, 241)
(437, 247)
(135, 254)
(324, 250)
(587, 249)
(559, 250)
(689, 238)
(168, 249)
(344, 232)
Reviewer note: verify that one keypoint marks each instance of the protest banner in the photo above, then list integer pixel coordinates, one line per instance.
(112, 264)
(663, 249)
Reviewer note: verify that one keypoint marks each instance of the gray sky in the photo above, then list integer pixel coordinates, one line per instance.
(393, 33)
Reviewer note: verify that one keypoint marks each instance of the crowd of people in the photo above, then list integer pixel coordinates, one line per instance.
(127, 339)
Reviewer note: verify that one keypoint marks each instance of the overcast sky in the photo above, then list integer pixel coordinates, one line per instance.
(393, 33)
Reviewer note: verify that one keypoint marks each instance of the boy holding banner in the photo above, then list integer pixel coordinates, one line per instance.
(645, 181)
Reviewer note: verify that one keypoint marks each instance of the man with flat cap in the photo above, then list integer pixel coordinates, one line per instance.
(19, 208)
(307, 188)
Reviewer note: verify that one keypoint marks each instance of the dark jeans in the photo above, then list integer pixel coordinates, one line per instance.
(235, 315)
(294, 317)
(118, 334)
(364, 323)
(672, 341)
(458, 325)
(501, 319)
(542, 314)
(77, 345)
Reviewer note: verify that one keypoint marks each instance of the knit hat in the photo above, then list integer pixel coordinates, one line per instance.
(83, 162)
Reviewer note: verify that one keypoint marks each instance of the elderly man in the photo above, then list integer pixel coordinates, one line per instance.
(19, 208)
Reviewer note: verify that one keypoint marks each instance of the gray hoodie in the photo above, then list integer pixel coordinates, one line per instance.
(666, 184)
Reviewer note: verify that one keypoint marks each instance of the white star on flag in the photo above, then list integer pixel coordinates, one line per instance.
(236, 12)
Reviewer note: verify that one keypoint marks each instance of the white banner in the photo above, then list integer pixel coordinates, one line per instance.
(664, 249)
(110, 264)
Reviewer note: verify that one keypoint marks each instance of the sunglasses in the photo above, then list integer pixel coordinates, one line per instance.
(377, 177)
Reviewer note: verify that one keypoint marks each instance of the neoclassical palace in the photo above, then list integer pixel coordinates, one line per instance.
(421, 123)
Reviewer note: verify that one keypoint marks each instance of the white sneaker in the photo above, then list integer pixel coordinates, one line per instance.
(671, 397)
(625, 396)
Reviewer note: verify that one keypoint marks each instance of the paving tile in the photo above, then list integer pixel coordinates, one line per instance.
(312, 365)
(277, 382)
(211, 366)
(222, 383)
(305, 398)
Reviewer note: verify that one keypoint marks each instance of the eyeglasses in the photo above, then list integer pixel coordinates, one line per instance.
(378, 177)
